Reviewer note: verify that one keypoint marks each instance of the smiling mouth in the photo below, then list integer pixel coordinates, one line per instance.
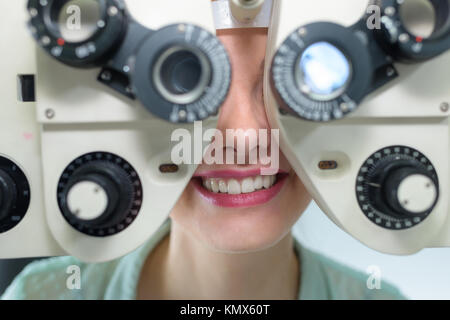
(238, 186)
(235, 192)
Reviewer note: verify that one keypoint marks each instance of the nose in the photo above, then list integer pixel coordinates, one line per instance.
(243, 108)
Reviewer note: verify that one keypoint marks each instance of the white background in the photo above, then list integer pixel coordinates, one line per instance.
(424, 275)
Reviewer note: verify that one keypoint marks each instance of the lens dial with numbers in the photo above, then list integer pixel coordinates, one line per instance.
(414, 30)
(321, 72)
(14, 194)
(80, 33)
(182, 73)
(397, 187)
(100, 194)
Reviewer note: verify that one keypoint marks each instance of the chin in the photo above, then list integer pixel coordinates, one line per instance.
(243, 235)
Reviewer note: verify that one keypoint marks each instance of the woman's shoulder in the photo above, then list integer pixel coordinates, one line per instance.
(325, 278)
(60, 278)
(69, 278)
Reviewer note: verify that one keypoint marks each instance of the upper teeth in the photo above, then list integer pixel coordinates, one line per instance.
(233, 186)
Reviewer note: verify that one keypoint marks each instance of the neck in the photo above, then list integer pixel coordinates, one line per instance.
(182, 267)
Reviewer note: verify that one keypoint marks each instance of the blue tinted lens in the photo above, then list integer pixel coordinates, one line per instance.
(325, 71)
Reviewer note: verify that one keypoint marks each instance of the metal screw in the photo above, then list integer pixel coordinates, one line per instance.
(302, 32)
(344, 107)
(390, 71)
(50, 113)
(112, 11)
(101, 24)
(33, 12)
(403, 38)
(390, 11)
(182, 114)
(445, 106)
(45, 40)
(106, 76)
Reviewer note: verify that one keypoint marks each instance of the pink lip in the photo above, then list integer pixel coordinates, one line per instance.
(239, 200)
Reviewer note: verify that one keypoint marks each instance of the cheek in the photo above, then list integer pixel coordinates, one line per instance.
(245, 229)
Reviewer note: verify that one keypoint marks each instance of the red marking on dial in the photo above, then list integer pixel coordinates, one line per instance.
(419, 39)
(61, 41)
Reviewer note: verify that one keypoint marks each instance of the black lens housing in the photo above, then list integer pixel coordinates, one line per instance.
(371, 53)
(16, 195)
(398, 41)
(374, 191)
(285, 63)
(120, 181)
(206, 47)
(128, 52)
(89, 53)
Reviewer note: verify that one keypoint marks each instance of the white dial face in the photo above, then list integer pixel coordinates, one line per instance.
(417, 193)
(87, 200)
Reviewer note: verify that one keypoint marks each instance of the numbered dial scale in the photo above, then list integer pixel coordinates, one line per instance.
(14, 194)
(397, 187)
(100, 194)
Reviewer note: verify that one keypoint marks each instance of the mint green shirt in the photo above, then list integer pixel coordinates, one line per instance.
(321, 278)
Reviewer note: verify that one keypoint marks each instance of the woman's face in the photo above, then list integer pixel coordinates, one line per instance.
(234, 219)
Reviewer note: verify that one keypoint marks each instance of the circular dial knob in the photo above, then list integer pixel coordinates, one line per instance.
(190, 73)
(88, 200)
(100, 194)
(410, 191)
(320, 78)
(414, 31)
(8, 194)
(14, 194)
(397, 187)
(78, 33)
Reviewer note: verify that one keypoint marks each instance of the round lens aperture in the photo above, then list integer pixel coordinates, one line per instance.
(77, 20)
(323, 71)
(419, 17)
(425, 18)
(79, 33)
(414, 30)
(181, 74)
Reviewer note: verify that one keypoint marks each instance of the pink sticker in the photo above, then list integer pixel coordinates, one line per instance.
(28, 136)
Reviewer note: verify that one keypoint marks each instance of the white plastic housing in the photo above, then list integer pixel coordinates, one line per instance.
(407, 112)
(75, 115)
(90, 117)
(20, 135)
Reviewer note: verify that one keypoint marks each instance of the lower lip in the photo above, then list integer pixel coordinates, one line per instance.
(240, 200)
